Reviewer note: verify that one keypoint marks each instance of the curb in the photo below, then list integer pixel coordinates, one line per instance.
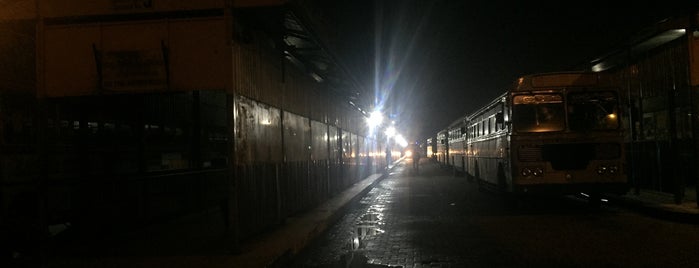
(656, 210)
(325, 215)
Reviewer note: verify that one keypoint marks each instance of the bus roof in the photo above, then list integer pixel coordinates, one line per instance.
(560, 79)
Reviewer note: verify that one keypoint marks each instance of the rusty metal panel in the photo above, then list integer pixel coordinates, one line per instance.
(354, 162)
(335, 160)
(362, 164)
(257, 132)
(349, 161)
(346, 146)
(319, 146)
(297, 137)
(258, 163)
(346, 158)
(370, 154)
(335, 147)
(318, 104)
(295, 185)
(257, 76)
(295, 92)
(361, 147)
(243, 71)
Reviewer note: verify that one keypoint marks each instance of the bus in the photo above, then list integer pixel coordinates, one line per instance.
(456, 141)
(431, 149)
(551, 133)
(442, 153)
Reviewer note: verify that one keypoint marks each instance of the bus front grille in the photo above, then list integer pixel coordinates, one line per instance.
(530, 153)
(574, 156)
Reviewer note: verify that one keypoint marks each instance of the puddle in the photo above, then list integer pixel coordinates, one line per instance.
(367, 226)
(371, 217)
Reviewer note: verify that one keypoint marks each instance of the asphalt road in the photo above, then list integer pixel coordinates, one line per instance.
(433, 219)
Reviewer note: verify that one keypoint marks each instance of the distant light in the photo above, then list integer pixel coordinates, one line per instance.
(401, 141)
(374, 119)
(611, 116)
(390, 132)
(317, 77)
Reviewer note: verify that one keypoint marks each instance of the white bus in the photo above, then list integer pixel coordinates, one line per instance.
(554, 133)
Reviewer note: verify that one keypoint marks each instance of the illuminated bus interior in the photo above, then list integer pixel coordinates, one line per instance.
(538, 113)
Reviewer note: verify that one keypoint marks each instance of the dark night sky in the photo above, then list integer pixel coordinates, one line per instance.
(430, 62)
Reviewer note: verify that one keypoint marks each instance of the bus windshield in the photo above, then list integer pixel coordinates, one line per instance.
(593, 111)
(538, 113)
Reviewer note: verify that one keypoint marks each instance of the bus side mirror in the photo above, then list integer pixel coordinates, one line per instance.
(499, 118)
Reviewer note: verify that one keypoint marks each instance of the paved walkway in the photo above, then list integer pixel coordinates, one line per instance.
(297, 232)
(663, 204)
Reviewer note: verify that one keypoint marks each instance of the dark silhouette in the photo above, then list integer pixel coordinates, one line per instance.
(416, 159)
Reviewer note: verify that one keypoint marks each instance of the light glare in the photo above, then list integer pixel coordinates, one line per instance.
(375, 119)
(390, 132)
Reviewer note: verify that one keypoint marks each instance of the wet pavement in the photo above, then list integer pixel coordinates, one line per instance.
(432, 219)
(402, 222)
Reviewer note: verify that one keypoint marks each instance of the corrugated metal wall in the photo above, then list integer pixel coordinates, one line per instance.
(655, 88)
(287, 163)
(217, 126)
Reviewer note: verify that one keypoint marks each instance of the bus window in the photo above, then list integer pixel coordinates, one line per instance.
(538, 113)
(595, 110)
(500, 121)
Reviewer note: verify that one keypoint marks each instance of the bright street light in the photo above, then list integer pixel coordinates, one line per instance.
(401, 141)
(390, 132)
(375, 119)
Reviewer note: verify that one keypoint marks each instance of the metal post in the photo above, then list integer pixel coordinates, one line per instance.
(693, 82)
(230, 202)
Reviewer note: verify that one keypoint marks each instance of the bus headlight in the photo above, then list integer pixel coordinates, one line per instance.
(613, 170)
(607, 169)
(534, 171)
(538, 172)
(601, 170)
